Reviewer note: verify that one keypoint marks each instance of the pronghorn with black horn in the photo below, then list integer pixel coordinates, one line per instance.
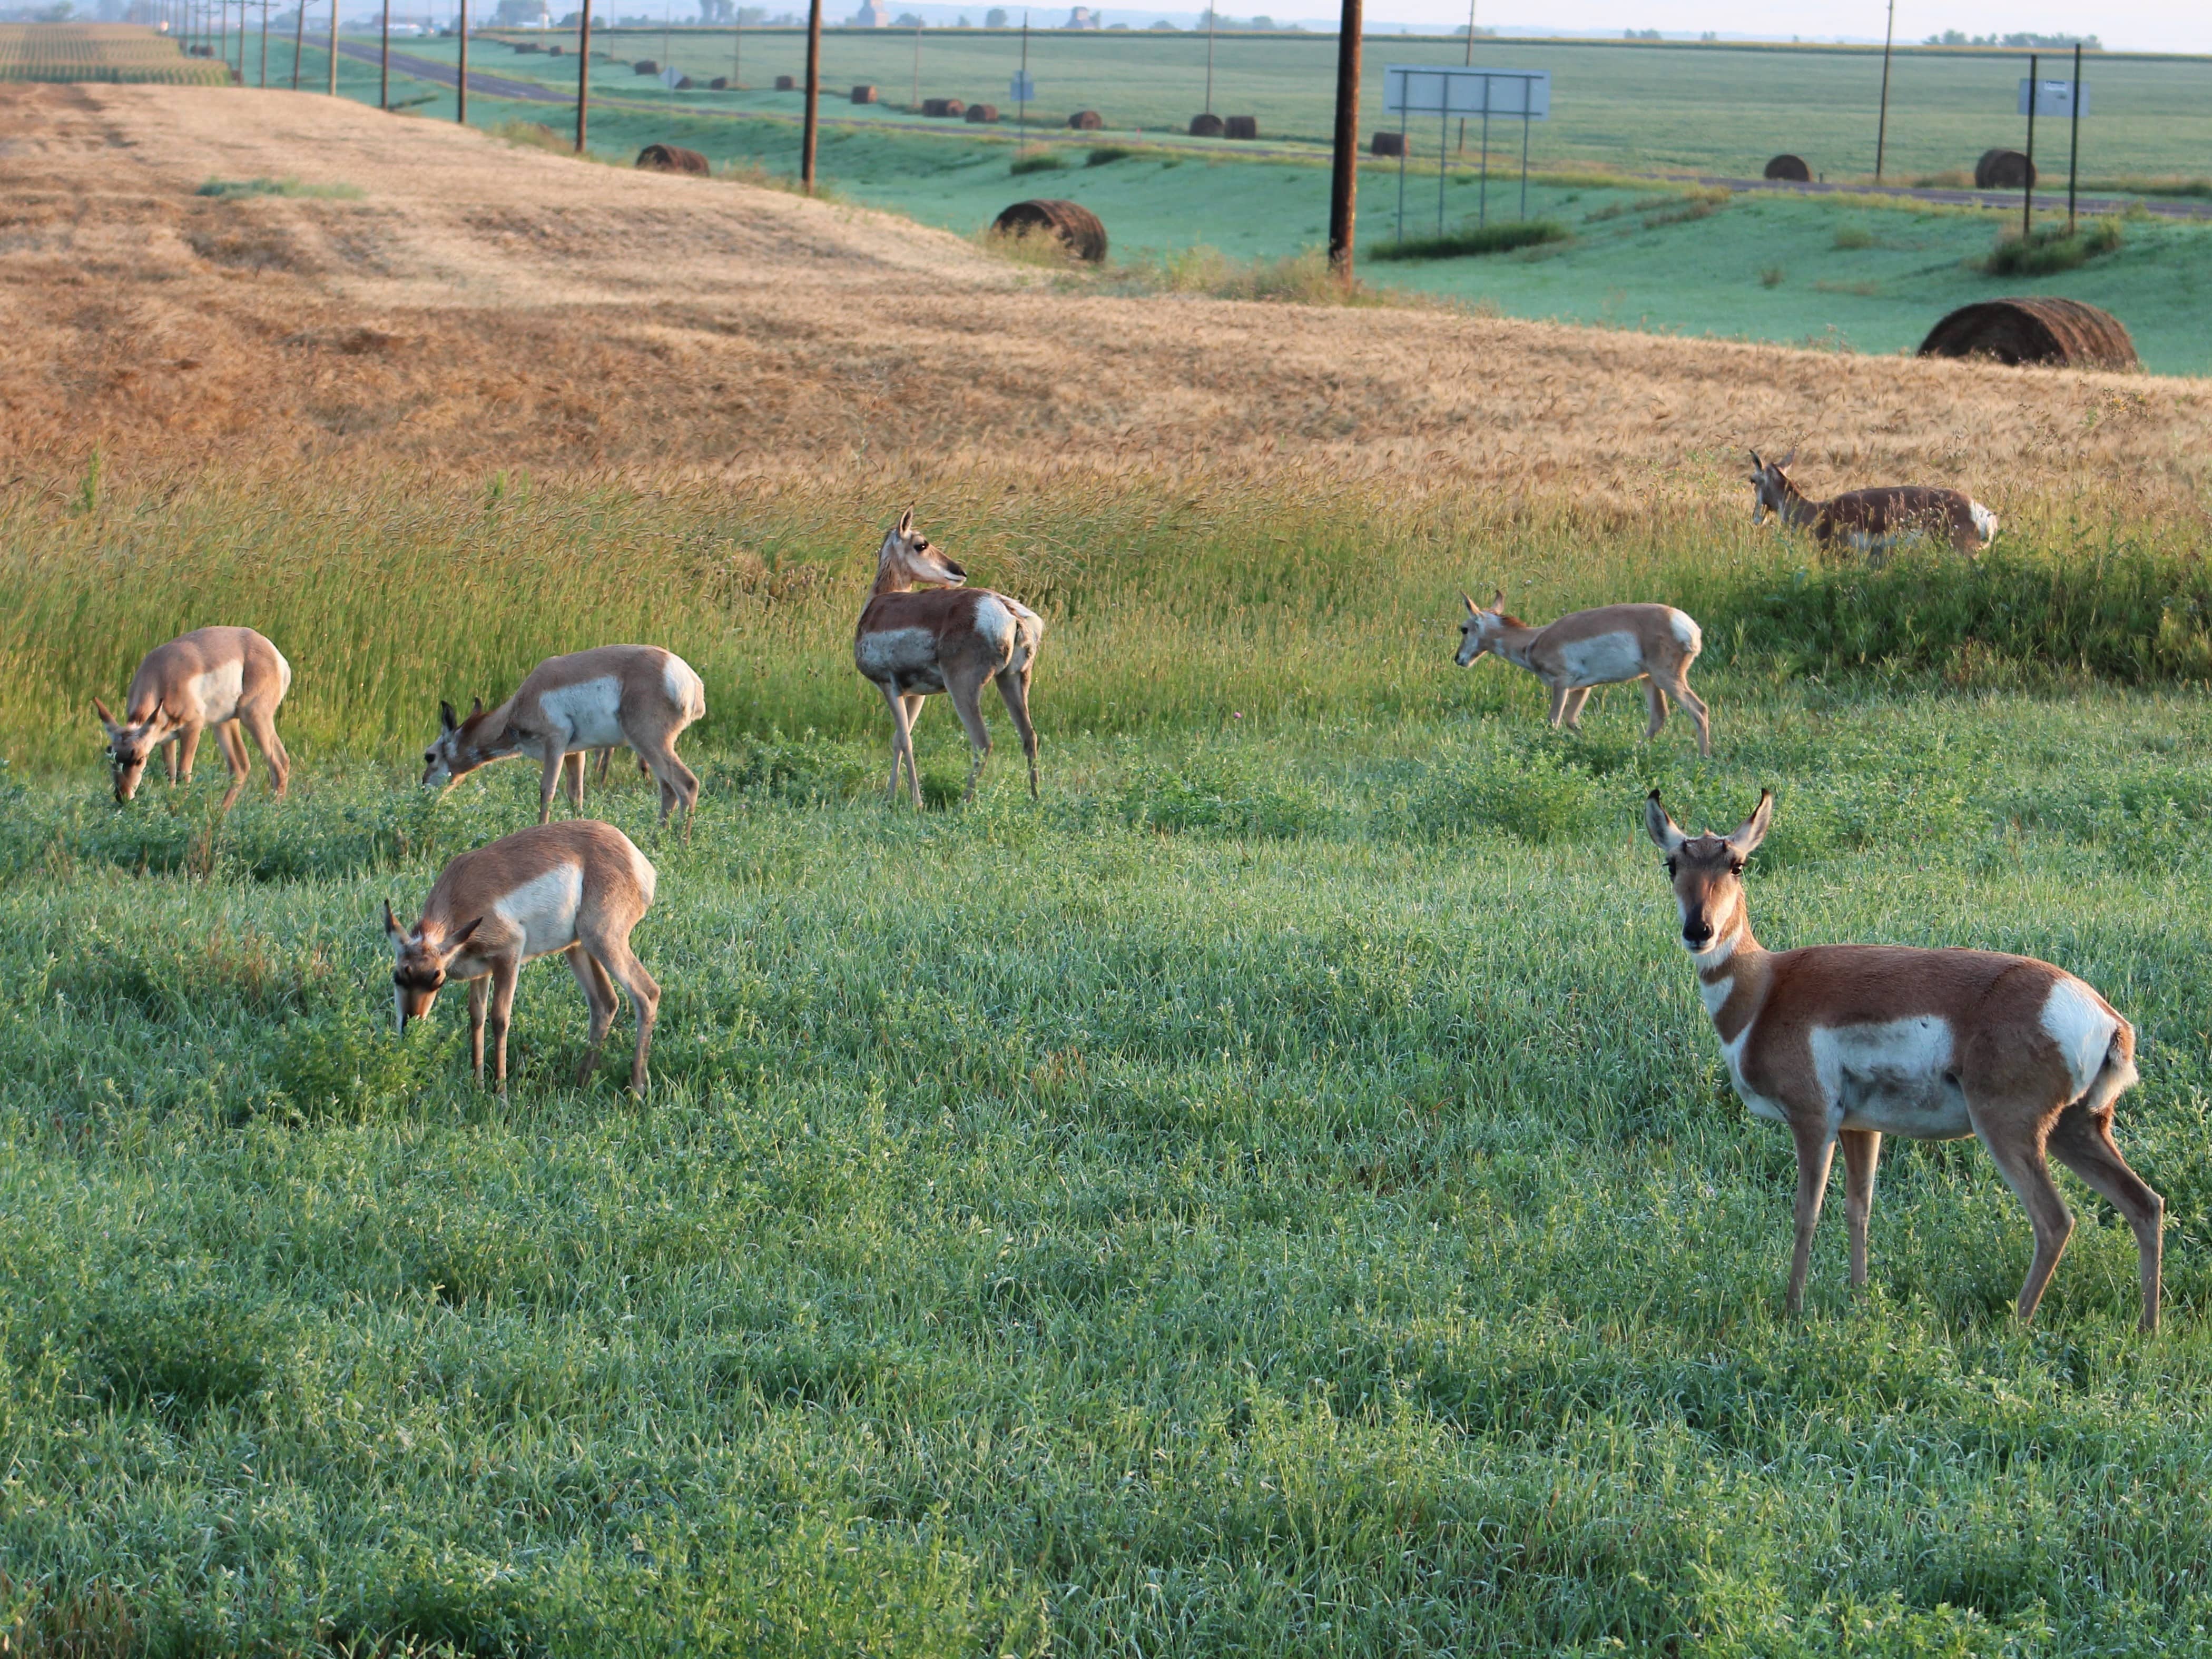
(577, 887)
(1871, 521)
(223, 677)
(1606, 646)
(1849, 1042)
(613, 695)
(953, 639)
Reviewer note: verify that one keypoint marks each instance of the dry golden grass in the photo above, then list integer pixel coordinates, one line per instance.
(486, 305)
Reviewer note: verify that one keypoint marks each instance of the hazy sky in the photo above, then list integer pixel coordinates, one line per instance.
(2137, 25)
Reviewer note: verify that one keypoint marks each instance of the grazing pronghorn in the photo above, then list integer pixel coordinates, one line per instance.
(1871, 521)
(951, 638)
(1654, 643)
(1849, 1042)
(637, 694)
(577, 887)
(223, 677)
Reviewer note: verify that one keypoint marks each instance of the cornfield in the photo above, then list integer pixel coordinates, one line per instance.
(99, 52)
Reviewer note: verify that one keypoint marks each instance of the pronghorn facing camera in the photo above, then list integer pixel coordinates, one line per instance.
(953, 639)
(1614, 643)
(1871, 521)
(577, 887)
(637, 694)
(1849, 1042)
(223, 677)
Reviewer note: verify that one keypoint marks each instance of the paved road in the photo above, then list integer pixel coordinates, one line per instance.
(499, 86)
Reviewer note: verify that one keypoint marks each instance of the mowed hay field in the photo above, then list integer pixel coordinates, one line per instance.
(1278, 1194)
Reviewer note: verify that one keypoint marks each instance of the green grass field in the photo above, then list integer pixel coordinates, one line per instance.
(1279, 1195)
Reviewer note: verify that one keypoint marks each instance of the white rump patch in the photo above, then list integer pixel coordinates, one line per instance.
(1687, 635)
(2075, 1020)
(589, 713)
(1985, 522)
(283, 674)
(1893, 1075)
(994, 624)
(648, 878)
(686, 691)
(544, 909)
(216, 691)
(1601, 659)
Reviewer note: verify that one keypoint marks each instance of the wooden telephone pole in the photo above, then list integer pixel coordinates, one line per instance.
(1344, 164)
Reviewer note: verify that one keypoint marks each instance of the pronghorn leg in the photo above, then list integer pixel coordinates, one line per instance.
(169, 760)
(1014, 691)
(1559, 705)
(600, 997)
(679, 785)
(616, 957)
(2020, 1159)
(967, 691)
(557, 763)
(261, 723)
(1655, 703)
(504, 974)
(1816, 1149)
(902, 747)
(1862, 1152)
(606, 756)
(1679, 689)
(479, 995)
(2082, 1140)
(187, 745)
(1572, 709)
(572, 767)
(233, 746)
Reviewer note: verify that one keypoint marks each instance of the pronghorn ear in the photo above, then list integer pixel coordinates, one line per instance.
(905, 523)
(1752, 831)
(1783, 465)
(101, 709)
(1660, 827)
(391, 927)
(446, 719)
(1497, 599)
(461, 935)
(1472, 607)
(1757, 465)
(476, 707)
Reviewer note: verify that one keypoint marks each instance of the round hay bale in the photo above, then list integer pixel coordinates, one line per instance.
(719, 83)
(1086, 120)
(944, 108)
(645, 66)
(2003, 169)
(683, 83)
(983, 113)
(2034, 329)
(1243, 126)
(528, 45)
(785, 84)
(552, 52)
(1788, 167)
(671, 158)
(1077, 226)
(1206, 126)
(1388, 143)
(864, 94)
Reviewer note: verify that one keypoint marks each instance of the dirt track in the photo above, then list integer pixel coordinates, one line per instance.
(484, 304)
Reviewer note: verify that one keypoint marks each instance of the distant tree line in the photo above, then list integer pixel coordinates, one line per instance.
(1953, 37)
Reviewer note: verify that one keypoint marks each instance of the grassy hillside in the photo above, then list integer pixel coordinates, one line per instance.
(1280, 1192)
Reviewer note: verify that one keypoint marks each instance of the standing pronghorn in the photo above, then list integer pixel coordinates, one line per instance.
(637, 694)
(577, 887)
(1871, 521)
(1654, 643)
(951, 638)
(1851, 1042)
(223, 677)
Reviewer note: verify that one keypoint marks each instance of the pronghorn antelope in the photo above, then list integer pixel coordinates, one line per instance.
(577, 887)
(1654, 643)
(951, 639)
(1849, 1042)
(1871, 521)
(637, 694)
(223, 677)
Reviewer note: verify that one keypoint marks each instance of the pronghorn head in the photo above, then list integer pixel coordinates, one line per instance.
(906, 560)
(130, 743)
(419, 960)
(455, 751)
(1707, 872)
(1771, 486)
(1480, 628)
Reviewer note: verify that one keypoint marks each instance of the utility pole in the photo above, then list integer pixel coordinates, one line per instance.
(917, 63)
(1022, 103)
(2074, 143)
(1485, 91)
(384, 73)
(1343, 162)
(813, 96)
(334, 46)
(2027, 189)
(1210, 11)
(1881, 124)
(299, 42)
(737, 48)
(583, 72)
(265, 45)
(461, 80)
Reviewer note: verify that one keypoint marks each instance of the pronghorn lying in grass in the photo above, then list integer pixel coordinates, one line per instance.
(1871, 521)
(223, 677)
(637, 694)
(577, 887)
(1849, 1042)
(951, 639)
(1654, 643)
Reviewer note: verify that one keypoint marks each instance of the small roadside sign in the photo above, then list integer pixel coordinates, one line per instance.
(1022, 90)
(2056, 98)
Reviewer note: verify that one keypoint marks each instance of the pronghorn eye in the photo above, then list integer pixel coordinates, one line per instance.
(1735, 866)
(1670, 867)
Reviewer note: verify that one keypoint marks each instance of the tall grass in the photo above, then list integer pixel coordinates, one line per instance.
(1164, 608)
(2051, 249)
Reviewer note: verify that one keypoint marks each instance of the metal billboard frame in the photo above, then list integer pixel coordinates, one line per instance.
(1448, 90)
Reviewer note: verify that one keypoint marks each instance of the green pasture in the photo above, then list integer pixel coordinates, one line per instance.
(1279, 1195)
